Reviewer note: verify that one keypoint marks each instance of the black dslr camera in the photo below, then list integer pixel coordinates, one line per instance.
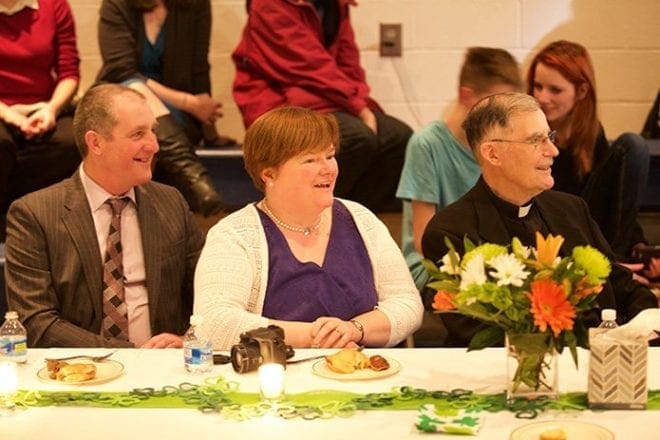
(264, 344)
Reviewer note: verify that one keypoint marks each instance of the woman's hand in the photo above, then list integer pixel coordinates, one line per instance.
(328, 332)
(653, 271)
(39, 122)
(12, 117)
(203, 107)
(636, 269)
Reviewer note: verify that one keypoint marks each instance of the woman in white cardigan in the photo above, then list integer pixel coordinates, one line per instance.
(325, 270)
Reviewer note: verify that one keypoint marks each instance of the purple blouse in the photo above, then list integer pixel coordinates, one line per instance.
(343, 287)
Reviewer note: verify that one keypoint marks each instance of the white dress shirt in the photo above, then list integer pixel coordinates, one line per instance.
(135, 290)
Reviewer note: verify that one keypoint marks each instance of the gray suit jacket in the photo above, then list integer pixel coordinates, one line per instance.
(54, 268)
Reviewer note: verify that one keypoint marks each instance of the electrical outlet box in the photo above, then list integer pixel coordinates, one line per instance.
(390, 40)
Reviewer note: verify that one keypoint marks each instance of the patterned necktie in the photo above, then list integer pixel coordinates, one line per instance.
(115, 312)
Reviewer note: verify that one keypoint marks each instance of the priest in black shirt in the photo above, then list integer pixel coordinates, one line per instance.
(512, 142)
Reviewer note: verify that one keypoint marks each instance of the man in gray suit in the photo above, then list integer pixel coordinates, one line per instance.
(58, 239)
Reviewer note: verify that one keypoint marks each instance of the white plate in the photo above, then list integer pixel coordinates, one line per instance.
(105, 372)
(320, 368)
(572, 428)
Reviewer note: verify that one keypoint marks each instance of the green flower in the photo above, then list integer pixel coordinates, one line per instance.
(594, 264)
(487, 250)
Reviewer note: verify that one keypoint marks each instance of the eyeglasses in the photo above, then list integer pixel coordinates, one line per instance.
(536, 140)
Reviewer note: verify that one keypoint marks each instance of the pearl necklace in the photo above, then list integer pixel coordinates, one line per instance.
(305, 231)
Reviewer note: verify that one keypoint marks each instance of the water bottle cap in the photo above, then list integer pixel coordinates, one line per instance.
(608, 315)
(196, 319)
(11, 315)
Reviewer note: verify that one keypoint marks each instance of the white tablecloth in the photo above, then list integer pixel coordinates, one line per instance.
(432, 369)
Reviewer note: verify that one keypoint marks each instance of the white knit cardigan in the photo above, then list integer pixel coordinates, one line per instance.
(232, 276)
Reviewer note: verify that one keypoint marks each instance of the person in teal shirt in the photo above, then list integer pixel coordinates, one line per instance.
(437, 171)
(439, 166)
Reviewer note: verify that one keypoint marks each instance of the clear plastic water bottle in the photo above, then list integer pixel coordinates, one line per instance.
(197, 351)
(608, 319)
(13, 339)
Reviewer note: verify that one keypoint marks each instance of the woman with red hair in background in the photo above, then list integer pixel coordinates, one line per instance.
(610, 178)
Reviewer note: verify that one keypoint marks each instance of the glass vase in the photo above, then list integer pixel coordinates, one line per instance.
(531, 365)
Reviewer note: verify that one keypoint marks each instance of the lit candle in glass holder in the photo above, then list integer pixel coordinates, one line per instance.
(271, 381)
(8, 385)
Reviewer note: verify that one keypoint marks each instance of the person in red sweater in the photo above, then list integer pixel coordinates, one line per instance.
(39, 76)
(303, 53)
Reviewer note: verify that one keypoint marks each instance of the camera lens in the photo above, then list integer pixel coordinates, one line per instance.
(245, 358)
(239, 359)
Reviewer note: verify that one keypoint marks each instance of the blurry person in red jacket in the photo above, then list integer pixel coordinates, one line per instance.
(303, 53)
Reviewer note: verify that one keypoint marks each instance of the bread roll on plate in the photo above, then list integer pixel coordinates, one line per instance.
(347, 360)
(73, 373)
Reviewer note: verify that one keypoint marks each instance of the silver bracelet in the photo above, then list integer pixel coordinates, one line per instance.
(360, 327)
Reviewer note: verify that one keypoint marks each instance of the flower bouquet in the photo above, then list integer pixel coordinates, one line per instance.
(529, 296)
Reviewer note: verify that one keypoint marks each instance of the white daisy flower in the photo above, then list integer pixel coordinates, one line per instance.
(508, 270)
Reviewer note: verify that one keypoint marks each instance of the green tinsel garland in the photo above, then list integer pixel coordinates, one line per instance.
(218, 395)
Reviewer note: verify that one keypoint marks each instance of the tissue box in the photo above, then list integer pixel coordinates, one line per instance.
(617, 372)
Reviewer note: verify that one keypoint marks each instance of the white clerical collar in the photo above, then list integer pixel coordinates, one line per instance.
(96, 194)
(524, 210)
(19, 6)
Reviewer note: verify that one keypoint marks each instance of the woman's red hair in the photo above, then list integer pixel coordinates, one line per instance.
(573, 62)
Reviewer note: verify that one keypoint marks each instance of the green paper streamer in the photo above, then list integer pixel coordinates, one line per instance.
(218, 395)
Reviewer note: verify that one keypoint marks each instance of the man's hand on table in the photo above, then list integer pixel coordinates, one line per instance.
(164, 340)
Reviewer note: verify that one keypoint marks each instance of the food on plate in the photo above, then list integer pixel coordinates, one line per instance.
(76, 373)
(348, 360)
(70, 373)
(553, 434)
(378, 363)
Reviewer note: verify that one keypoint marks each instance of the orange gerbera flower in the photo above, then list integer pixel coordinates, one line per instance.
(550, 306)
(443, 301)
(547, 249)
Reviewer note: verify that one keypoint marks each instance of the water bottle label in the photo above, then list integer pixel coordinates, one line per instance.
(15, 348)
(196, 356)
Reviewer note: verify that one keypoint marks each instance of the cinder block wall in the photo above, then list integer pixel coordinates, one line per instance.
(622, 36)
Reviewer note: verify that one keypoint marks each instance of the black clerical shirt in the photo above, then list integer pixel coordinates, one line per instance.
(519, 221)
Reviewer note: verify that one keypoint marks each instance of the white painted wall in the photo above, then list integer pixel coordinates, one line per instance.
(623, 37)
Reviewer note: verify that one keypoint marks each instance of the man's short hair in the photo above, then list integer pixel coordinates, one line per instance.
(283, 133)
(95, 112)
(495, 110)
(485, 67)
